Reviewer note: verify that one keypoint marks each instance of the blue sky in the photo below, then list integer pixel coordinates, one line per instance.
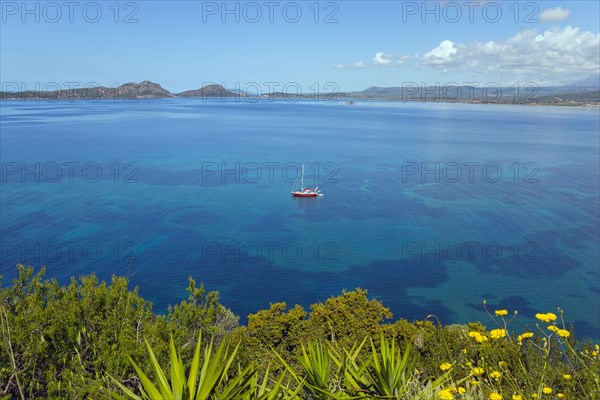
(354, 44)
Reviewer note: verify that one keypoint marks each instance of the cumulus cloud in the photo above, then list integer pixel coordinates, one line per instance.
(555, 14)
(555, 55)
(441, 54)
(382, 59)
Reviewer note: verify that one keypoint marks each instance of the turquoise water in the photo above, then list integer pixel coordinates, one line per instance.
(431, 207)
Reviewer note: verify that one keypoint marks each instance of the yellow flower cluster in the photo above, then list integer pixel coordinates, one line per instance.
(558, 331)
(487, 378)
(478, 337)
(594, 353)
(448, 393)
(547, 317)
(445, 395)
(497, 333)
(525, 335)
(563, 333)
(445, 366)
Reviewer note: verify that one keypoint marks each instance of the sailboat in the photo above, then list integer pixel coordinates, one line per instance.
(304, 192)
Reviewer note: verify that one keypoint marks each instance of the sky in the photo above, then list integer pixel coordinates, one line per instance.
(320, 46)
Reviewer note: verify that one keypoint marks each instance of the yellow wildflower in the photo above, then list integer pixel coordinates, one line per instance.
(525, 335)
(501, 313)
(502, 364)
(517, 397)
(497, 333)
(478, 337)
(461, 390)
(560, 395)
(477, 371)
(551, 316)
(563, 333)
(474, 382)
(567, 376)
(495, 375)
(548, 317)
(445, 366)
(494, 396)
(445, 394)
(553, 328)
(547, 390)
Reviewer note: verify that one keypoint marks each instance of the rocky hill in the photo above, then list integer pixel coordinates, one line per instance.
(209, 91)
(142, 90)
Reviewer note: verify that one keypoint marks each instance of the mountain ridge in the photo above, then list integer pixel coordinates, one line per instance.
(147, 89)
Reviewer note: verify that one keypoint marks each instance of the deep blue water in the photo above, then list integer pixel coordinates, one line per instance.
(431, 207)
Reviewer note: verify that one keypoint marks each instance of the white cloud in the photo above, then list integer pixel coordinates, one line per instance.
(382, 59)
(441, 54)
(555, 14)
(359, 64)
(557, 55)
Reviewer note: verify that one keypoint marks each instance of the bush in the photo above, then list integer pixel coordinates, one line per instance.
(67, 341)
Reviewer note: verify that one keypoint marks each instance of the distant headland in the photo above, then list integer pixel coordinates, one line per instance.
(584, 93)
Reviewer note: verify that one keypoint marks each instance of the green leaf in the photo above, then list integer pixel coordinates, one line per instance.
(177, 373)
(125, 390)
(193, 376)
(163, 384)
(153, 392)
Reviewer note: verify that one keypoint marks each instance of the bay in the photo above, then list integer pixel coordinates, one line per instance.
(431, 207)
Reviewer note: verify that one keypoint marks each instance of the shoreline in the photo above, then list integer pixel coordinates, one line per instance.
(226, 99)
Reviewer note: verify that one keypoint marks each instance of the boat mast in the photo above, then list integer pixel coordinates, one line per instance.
(302, 188)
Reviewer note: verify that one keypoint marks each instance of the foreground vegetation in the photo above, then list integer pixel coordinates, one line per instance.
(96, 340)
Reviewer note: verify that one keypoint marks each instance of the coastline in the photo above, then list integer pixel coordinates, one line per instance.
(568, 96)
(590, 105)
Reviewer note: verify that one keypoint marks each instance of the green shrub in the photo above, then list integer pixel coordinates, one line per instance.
(61, 342)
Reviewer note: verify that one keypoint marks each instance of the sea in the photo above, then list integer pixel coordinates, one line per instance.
(431, 207)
